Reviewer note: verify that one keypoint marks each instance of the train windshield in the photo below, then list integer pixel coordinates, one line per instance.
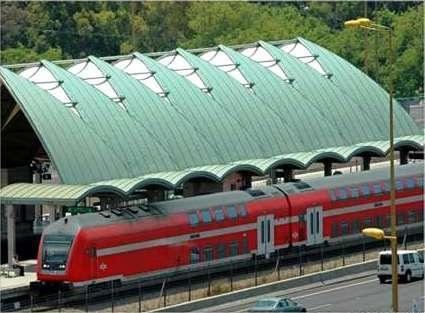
(55, 251)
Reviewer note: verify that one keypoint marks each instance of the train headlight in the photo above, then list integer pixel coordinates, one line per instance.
(62, 266)
(46, 266)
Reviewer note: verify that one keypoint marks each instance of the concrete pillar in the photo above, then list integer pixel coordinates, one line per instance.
(11, 234)
(366, 163)
(273, 176)
(52, 213)
(404, 156)
(327, 168)
(288, 174)
(37, 208)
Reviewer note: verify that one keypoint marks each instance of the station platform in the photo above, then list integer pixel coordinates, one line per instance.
(11, 284)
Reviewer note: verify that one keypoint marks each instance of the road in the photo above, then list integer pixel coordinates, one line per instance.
(359, 295)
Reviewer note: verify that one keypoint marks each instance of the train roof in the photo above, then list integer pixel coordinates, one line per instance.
(413, 169)
(226, 198)
(204, 201)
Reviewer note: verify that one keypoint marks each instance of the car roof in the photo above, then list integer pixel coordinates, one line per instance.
(398, 251)
(269, 299)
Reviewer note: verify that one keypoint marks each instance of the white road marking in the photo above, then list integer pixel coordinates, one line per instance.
(337, 288)
(319, 306)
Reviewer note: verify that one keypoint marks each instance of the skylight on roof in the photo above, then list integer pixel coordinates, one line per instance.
(263, 57)
(44, 79)
(222, 61)
(138, 70)
(92, 75)
(298, 50)
(181, 66)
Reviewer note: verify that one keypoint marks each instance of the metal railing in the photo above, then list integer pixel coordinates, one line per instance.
(138, 296)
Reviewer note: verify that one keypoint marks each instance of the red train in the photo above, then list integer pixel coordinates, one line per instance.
(215, 229)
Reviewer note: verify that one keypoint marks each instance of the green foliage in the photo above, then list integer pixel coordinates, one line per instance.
(53, 30)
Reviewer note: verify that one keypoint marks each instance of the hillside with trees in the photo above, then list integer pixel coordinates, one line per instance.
(31, 31)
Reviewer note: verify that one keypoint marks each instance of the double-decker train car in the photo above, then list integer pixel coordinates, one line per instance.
(213, 230)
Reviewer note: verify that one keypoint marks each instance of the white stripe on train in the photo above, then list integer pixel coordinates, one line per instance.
(241, 228)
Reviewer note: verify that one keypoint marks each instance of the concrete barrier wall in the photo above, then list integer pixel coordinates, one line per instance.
(271, 287)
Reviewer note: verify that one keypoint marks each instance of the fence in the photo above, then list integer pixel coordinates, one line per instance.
(139, 296)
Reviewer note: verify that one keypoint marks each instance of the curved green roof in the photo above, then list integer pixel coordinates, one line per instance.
(104, 125)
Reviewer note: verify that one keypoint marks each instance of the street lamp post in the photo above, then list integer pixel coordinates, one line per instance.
(366, 23)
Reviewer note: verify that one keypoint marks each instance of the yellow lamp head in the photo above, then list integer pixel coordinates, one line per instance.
(352, 24)
(363, 21)
(376, 233)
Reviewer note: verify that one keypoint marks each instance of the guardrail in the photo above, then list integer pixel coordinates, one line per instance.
(270, 287)
(180, 287)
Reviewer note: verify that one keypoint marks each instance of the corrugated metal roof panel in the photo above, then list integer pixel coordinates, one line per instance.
(171, 131)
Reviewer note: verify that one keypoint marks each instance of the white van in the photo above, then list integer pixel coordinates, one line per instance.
(410, 265)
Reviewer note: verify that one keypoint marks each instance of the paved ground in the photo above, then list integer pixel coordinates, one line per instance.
(8, 280)
(358, 295)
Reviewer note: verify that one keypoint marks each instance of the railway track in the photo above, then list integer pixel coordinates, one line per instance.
(109, 293)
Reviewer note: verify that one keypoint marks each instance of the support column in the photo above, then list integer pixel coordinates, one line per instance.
(246, 181)
(273, 176)
(103, 203)
(288, 174)
(366, 163)
(404, 156)
(327, 168)
(11, 234)
(38, 212)
(52, 213)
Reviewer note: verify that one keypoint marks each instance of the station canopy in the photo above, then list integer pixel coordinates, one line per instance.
(161, 119)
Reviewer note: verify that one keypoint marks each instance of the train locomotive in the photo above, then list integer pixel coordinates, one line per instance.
(215, 229)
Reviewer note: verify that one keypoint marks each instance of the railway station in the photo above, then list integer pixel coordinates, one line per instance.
(111, 132)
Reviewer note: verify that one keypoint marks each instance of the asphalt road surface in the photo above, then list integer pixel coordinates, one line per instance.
(358, 295)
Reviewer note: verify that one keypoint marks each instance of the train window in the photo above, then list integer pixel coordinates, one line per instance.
(219, 214)
(355, 226)
(365, 190)
(332, 195)
(231, 212)
(245, 248)
(262, 231)
(399, 184)
(194, 255)
(344, 228)
(268, 231)
(354, 192)
(420, 215)
(342, 194)
(221, 251)
(334, 230)
(317, 222)
(387, 186)
(206, 216)
(388, 220)
(193, 218)
(411, 217)
(208, 254)
(420, 181)
(367, 222)
(376, 188)
(378, 221)
(242, 211)
(410, 183)
(233, 248)
(311, 223)
(400, 219)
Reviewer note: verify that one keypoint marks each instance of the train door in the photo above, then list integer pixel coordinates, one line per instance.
(314, 225)
(265, 235)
